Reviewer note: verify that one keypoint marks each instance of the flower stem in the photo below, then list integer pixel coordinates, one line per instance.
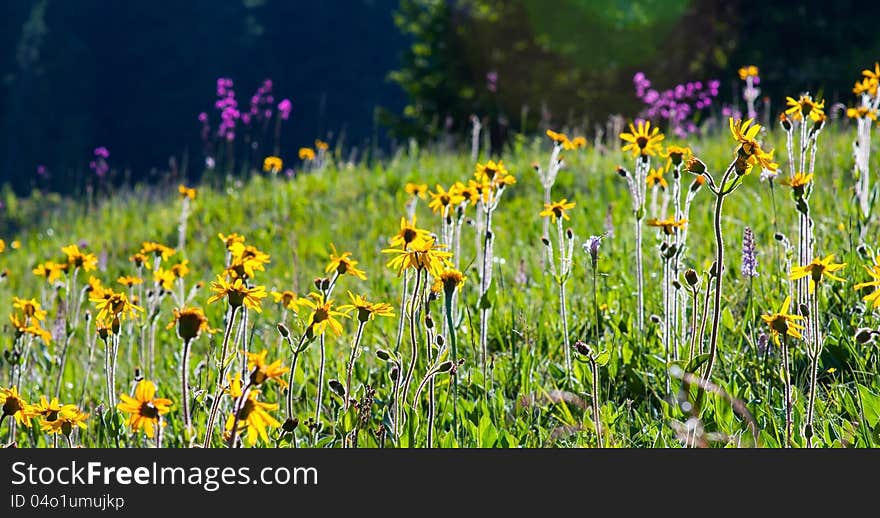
(413, 336)
(719, 272)
(184, 385)
(786, 391)
(218, 392)
(354, 351)
(453, 347)
(596, 420)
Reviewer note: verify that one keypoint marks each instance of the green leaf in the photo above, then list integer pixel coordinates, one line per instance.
(695, 364)
(727, 319)
(602, 358)
(870, 405)
(487, 432)
(487, 300)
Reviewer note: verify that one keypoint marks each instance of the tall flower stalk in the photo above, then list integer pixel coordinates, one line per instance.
(816, 271)
(783, 324)
(865, 114)
(748, 155)
(643, 142)
(492, 179)
(556, 212)
(803, 120)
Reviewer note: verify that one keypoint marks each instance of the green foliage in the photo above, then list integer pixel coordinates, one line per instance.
(528, 402)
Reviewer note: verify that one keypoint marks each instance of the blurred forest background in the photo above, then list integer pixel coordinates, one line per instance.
(133, 76)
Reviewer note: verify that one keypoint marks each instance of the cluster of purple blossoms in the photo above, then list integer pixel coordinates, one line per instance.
(284, 109)
(261, 104)
(677, 105)
(749, 254)
(228, 108)
(99, 165)
(492, 81)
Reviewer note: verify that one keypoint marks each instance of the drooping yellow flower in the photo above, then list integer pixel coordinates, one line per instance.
(642, 140)
(817, 270)
(32, 328)
(180, 269)
(95, 288)
(237, 293)
(866, 86)
(164, 278)
(861, 112)
(655, 177)
(470, 193)
(442, 200)
(422, 256)
(873, 75)
(253, 416)
(49, 411)
(66, 422)
(50, 271)
(231, 239)
(320, 145)
(144, 408)
(797, 108)
(799, 180)
(190, 322)
(342, 264)
(562, 140)
(783, 323)
(307, 154)
(112, 306)
(157, 250)
(272, 164)
(676, 155)
(78, 259)
(323, 314)
(187, 193)
(139, 260)
(409, 234)
(14, 405)
(557, 210)
(874, 272)
(558, 138)
(744, 133)
(419, 190)
(246, 260)
(262, 371)
(747, 72)
(668, 225)
(30, 308)
(286, 299)
(366, 310)
(448, 281)
(494, 173)
(129, 281)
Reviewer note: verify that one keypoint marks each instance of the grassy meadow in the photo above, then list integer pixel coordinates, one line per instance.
(525, 397)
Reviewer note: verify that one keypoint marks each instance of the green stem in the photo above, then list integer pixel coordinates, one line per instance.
(218, 392)
(453, 347)
(354, 351)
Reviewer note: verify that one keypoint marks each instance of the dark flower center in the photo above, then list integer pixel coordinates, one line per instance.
(149, 410)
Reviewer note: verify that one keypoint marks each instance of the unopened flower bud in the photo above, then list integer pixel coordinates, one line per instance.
(864, 335)
(283, 330)
(290, 424)
(694, 166)
(691, 277)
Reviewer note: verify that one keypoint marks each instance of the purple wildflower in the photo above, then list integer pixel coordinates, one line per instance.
(284, 108)
(749, 255)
